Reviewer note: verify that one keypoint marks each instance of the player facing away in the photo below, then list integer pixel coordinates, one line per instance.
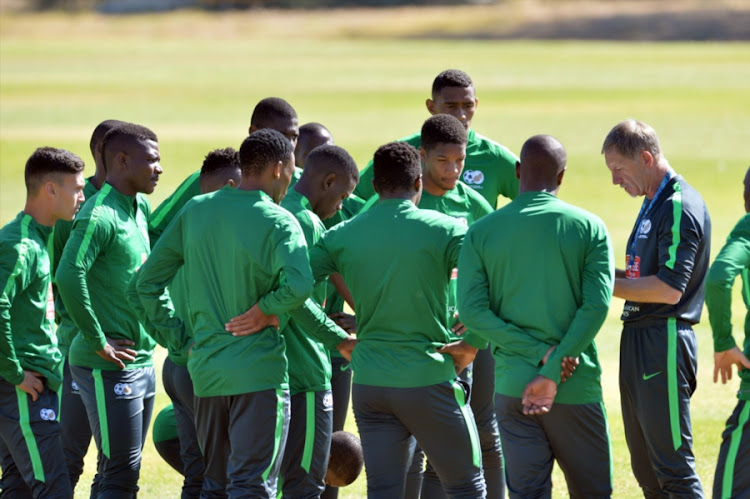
(74, 425)
(731, 478)
(535, 280)
(663, 287)
(329, 177)
(402, 384)
(111, 357)
(220, 168)
(489, 166)
(443, 151)
(31, 453)
(256, 257)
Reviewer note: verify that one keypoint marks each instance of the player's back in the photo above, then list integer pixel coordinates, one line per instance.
(397, 260)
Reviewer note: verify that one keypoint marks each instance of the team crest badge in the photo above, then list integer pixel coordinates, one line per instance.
(47, 414)
(328, 401)
(645, 227)
(473, 177)
(123, 389)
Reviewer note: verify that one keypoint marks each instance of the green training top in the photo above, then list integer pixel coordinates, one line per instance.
(733, 259)
(160, 219)
(236, 248)
(334, 302)
(397, 261)
(168, 209)
(66, 329)
(538, 272)
(108, 243)
(309, 363)
(466, 206)
(27, 341)
(490, 169)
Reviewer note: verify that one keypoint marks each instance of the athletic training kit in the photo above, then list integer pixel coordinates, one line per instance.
(671, 240)
(543, 240)
(31, 451)
(731, 478)
(401, 386)
(107, 244)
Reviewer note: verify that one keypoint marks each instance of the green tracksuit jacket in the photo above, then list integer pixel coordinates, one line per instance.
(107, 245)
(27, 341)
(733, 259)
(236, 248)
(397, 261)
(309, 363)
(538, 272)
(490, 169)
(168, 209)
(66, 329)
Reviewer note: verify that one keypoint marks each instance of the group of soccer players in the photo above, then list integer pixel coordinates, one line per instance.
(469, 357)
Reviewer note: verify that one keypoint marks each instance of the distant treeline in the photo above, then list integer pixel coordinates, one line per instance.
(123, 6)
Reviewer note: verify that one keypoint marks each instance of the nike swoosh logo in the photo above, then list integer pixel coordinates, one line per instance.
(646, 378)
(345, 367)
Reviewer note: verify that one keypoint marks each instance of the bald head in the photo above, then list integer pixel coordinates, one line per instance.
(542, 164)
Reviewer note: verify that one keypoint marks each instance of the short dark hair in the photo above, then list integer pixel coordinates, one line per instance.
(451, 78)
(125, 135)
(269, 109)
(262, 149)
(220, 159)
(396, 166)
(100, 131)
(335, 159)
(442, 129)
(346, 459)
(46, 161)
(313, 128)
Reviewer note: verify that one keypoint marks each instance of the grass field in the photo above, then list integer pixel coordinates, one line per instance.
(194, 79)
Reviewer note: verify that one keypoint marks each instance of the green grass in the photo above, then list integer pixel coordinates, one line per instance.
(196, 85)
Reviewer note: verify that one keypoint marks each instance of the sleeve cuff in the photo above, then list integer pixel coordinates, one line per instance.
(475, 340)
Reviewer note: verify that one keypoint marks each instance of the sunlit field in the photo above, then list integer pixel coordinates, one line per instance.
(195, 78)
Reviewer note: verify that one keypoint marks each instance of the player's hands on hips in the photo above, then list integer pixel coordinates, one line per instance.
(251, 322)
(538, 396)
(345, 321)
(346, 347)
(32, 384)
(723, 362)
(116, 351)
(463, 354)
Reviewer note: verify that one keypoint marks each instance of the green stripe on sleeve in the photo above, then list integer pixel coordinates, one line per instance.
(677, 218)
(476, 451)
(277, 433)
(734, 445)
(309, 431)
(101, 410)
(106, 188)
(164, 210)
(28, 434)
(746, 285)
(674, 406)
(21, 262)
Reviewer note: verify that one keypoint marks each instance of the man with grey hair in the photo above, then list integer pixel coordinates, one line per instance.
(665, 266)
